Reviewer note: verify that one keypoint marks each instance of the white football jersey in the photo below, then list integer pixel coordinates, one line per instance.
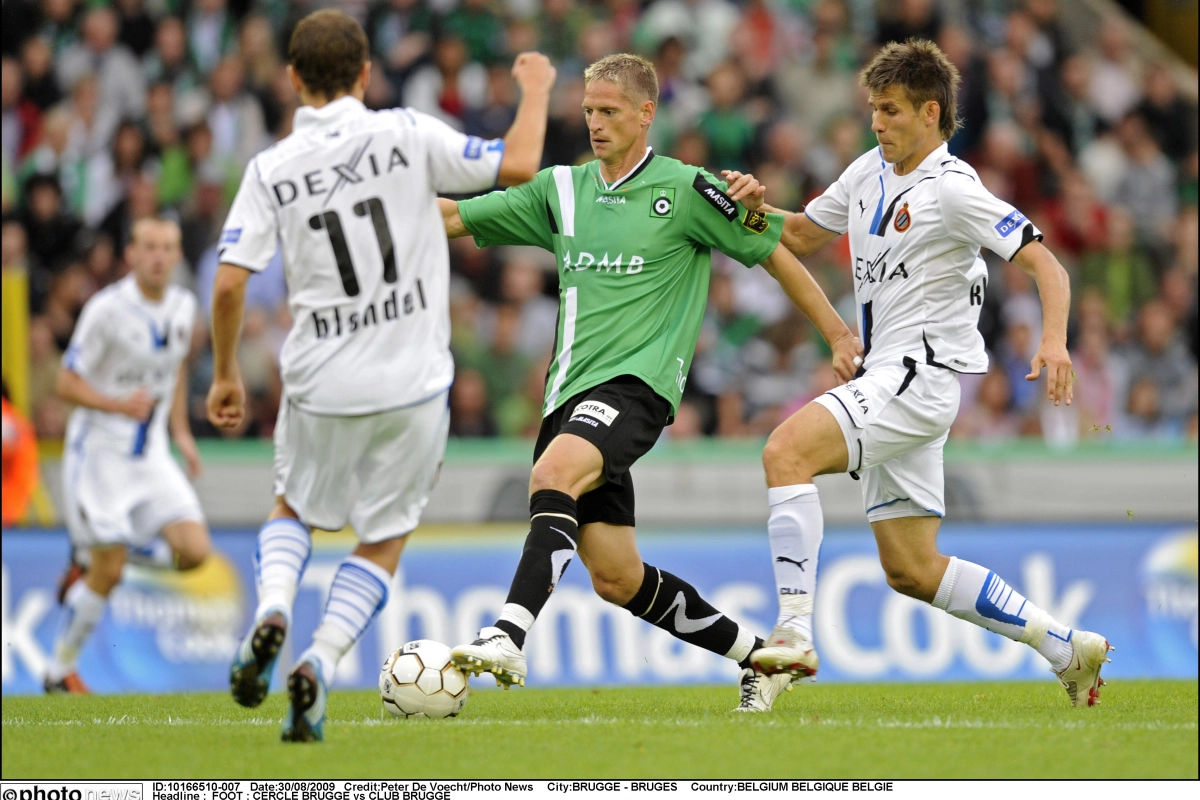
(351, 195)
(914, 243)
(122, 342)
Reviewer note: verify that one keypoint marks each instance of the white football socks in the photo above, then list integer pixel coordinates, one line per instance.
(974, 593)
(795, 528)
(284, 546)
(359, 591)
(84, 608)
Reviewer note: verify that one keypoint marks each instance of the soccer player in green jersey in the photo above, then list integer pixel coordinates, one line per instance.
(632, 233)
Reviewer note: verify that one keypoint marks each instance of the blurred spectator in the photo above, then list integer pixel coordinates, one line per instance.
(1067, 109)
(493, 120)
(775, 367)
(906, 19)
(109, 173)
(816, 92)
(522, 279)
(469, 414)
(168, 62)
(1161, 370)
(1079, 222)
(704, 27)
(399, 33)
(1170, 118)
(236, 117)
(22, 119)
(136, 26)
(211, 33)
(559, 24)
(478, 27)
(450, 86)
(140, 201)
(51, 232)
(567, 137)
(1147, 186)
(726, 126)
(121, 85)
(990, 417)
(1121, 271)
(1116, 73)
(37, 61)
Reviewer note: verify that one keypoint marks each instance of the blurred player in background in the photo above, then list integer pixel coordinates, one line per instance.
(633, 233)
(125, 498)
(917, 217)
(351, 194)
(20, 470)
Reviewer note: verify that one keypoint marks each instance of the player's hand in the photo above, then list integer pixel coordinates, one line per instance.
(847, 357)
(226, 402)
(744, 189)
(1057, 361)
(534, 72)
(191, 456)
(139, 405)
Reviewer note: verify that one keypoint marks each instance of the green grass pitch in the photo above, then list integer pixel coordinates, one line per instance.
(1143, 729)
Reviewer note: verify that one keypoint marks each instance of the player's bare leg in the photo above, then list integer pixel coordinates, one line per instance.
(284, 545)
(914, 567)
(808, 443)
(189, 541)
(84, 605)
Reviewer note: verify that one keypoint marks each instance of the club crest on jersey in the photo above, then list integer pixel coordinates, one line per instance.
(903, 219)
(662, 203)
(755, 221)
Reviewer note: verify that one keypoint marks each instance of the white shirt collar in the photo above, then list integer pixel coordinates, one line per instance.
(329, 114)
(623, 178)
(933, 159)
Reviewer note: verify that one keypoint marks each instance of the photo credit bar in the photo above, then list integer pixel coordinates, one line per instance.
(481, 789)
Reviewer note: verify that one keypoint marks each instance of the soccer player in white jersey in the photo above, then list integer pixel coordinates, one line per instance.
(125, 371)
(916, 217)
(351, 194)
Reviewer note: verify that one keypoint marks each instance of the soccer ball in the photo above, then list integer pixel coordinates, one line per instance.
(420, 680)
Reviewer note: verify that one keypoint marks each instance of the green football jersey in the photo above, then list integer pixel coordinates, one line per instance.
(633, 264)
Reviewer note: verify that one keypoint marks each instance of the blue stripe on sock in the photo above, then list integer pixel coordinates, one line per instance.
(356, 568)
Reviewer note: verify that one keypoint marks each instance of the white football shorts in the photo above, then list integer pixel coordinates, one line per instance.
(392, 457)
(115, 498)
(896, 420)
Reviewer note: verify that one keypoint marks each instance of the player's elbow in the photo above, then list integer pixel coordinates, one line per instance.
(64, 384)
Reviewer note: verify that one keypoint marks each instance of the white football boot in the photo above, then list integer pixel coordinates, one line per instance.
(786, 651)
(1089, 652)
(759, 691)
(495, 652)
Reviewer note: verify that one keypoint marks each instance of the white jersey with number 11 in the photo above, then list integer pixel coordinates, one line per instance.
(350, 196)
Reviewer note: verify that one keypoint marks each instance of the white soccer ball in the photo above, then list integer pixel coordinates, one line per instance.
(420, 680)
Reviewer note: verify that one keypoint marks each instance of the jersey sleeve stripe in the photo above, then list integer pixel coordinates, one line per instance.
(566, 198)
(819, 224)
(1028, 234)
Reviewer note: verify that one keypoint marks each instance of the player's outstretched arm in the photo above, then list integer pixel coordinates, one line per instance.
(523, 144)
(1054, 288)
(227, 396)
(801, 235)
(450, 217)
(78, 391)
(181, 431)
(804, 292)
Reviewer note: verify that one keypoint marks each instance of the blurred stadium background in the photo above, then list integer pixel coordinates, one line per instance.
(1080, 112)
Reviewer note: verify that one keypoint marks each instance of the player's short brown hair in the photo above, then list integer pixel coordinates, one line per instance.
(920, 68)
(634, 74)
(328, 50)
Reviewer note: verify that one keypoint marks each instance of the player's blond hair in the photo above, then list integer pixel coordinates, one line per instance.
(921, 69)
(633, 74)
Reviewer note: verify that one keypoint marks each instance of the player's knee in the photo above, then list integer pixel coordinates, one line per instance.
(192, 556)
(784, 462)
(616, 586)
(547, 475)
(910, 581)
(104, 574)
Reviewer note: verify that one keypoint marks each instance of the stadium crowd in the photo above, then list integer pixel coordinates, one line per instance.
(112, 112)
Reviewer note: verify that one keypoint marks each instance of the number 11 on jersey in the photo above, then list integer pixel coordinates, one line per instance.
(331, 223)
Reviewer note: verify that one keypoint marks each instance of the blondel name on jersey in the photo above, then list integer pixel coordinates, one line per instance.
(334, 323)
(328, 179)
(585, 261)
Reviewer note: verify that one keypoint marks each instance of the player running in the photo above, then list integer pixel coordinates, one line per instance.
(632, 233)
(917, 217)
(351, 195)
(125, 370)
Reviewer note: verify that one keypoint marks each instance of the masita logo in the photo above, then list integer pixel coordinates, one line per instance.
(715, 197)
(611, 200)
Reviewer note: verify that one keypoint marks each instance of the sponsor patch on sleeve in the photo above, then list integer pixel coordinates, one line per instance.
(755, 221)
(596, 410)
(1010, 223)
(715, 197)
(474, 148)
(231, 235)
